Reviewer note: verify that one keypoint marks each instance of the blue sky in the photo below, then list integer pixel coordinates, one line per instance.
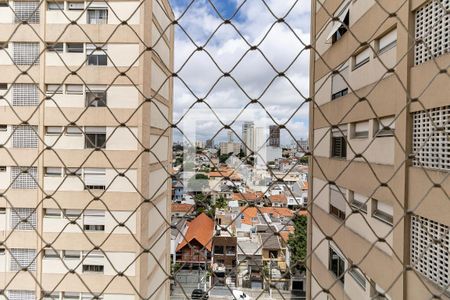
(255, 72)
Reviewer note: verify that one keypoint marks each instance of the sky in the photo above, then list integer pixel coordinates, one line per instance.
(253, 73)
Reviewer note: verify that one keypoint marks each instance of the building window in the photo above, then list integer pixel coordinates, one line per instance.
(231, 250)
(96, 96)
(361, 130)
(23, 218)
(75, 5)
(74, 89)
(88, 263)
(73, 171)
(73, 130)
(338, 202)
(25, 94)
(25, 136)
(361, 58)
(24, 177)
(21, 295)
(218, 250)
(383, 212)
(336, 264)
(387, 42)
(75, 47)
(340, 26)
(22, 258)
(95, 178)
(72, 214)
(3, 86)
(52, 213)
(95, 137)
(92, 269)
(97, 15)
(54, 89)
(430, 242)
(57, 47)
(50, 253)
(96, 56)
(25, 53)
(53, 172)
(338, 142)
(2, 169)
(55, 5)
(339, 85)
(94, 220)
(70, 296)
(3, 127)
(432, 28)
(386, 127)
(27, 11)
(359, 202)
(71, 254)
(430, 145)
(358, 276)
(53, 130)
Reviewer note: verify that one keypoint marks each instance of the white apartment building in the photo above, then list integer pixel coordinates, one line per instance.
(85, 101)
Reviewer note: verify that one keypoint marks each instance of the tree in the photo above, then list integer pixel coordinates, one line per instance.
(198, 183)
(304, 160)
(221, 203)
(223, 158)
(298, 242)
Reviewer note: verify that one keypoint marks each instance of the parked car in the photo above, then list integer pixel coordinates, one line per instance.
(239, 295)
(199, 294)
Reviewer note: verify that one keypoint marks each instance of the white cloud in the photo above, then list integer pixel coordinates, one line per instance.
(255, 71)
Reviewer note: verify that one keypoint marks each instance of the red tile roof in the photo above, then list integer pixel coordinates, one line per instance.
(252, 212)
(182, 207)
(252, 196)
(200, 229)
(278, 198)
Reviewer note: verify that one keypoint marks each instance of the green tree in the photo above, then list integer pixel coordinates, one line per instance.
(221, 203)
(298, 242)
(198, 183)
(304, 159)
(223, 158)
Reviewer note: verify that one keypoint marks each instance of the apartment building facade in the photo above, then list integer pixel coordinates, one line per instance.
(380, 137)
(85, 106)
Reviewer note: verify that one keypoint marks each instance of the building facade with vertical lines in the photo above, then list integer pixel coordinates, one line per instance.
(380, 137)
(85, 108)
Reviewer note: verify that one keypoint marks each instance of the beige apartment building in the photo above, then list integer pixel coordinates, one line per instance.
(379, 226)
(86, 99)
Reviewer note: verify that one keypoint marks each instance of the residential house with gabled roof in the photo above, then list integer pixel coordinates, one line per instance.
(195, 247)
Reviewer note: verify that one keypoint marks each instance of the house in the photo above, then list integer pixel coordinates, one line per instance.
(194, 250)
(181, 210)
(251, 216)
(177, 190)
(249, 262)
(256, 198)
(274, 261)
(224, 258)
(278, 200)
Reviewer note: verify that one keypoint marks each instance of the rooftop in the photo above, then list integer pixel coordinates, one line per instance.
(200, 229)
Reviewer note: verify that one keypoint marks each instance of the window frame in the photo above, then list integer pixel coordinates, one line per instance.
(100, 15)
(70, 49)
(342, 136)
(338, 273)
(55, 132)
(77, 5)
(55, 5)
(381, 215)
(388, 46)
